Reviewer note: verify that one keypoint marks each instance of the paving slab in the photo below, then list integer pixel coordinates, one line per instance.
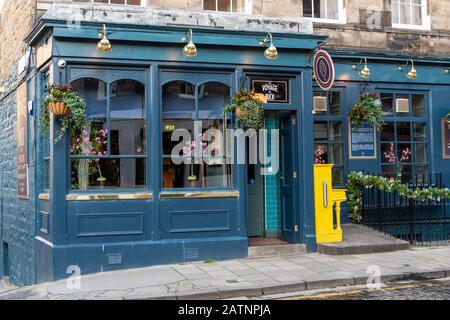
(245, 277)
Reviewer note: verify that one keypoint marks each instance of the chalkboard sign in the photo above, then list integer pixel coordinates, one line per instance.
(275, 91)
(446, 138)
(362, 142)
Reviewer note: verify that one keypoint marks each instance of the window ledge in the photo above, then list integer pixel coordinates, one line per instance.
(199, 195)
(112, 196)
(411, 27)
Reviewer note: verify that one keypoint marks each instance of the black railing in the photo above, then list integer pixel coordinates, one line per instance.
(419, 222)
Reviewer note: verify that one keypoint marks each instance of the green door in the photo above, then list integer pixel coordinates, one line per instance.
(255, 198)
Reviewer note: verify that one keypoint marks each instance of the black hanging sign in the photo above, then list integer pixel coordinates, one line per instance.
(275, 91)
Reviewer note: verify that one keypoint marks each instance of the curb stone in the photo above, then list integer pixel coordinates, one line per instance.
(329, 283)
(308, 285)
(284, 288)
(244, 292)
(203, 294)
(427, 275)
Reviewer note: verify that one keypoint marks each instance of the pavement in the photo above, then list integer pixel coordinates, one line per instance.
(251, 277)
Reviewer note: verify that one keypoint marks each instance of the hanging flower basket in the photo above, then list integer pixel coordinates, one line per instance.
(58, 108)
(248, 108)
(66, 104)
(369, 110)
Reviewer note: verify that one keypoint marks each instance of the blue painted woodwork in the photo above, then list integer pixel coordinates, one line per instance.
(96, 235)
(144, 232)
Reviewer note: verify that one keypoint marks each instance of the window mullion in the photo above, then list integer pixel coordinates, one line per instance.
(108, 118)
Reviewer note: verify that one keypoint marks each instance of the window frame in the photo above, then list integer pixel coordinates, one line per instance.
(426, 20)
(342, 14)
(411, 119)
(248, 7)
(162, 155)
(148, 182)
(329, 118)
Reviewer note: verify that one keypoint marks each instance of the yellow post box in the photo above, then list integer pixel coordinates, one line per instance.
(326, 200)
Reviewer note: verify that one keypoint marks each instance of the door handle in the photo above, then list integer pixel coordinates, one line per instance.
(325, 194)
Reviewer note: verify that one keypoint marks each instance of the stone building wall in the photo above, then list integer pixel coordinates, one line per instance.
(17, 217)
(363, 32)
(356, 33)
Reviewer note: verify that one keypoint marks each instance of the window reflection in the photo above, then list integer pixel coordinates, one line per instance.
(197, 111)
(119, 131)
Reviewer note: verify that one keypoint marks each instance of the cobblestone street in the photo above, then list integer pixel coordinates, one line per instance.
(409, 290)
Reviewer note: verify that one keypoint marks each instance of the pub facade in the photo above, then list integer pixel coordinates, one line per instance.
(132, 205)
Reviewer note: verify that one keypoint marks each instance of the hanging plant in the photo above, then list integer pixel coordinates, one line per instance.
(249, 110)
(369, 110)
(67, 104)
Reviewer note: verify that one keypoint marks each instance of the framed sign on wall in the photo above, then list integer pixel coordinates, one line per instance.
(275, 91)
(362, 142)
(446, 138)
(22, 135)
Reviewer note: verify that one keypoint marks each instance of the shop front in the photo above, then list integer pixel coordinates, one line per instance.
(127, 200)
(412, 144)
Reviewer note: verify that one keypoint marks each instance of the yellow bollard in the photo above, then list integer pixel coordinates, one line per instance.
(326, 199)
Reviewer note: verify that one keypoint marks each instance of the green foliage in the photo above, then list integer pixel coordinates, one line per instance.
(368, 109)
(251, 115)
(75, 120)
(209, 261)
(357, 181)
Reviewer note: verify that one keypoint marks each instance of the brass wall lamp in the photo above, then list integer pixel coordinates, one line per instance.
(104, 45)
(411, 74)
(189, 50)
(271, 52)
(364, 72)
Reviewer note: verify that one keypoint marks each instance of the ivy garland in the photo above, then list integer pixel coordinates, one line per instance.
(75, 120)
(357, 181)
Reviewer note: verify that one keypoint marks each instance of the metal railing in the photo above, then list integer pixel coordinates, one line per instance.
(419, 222)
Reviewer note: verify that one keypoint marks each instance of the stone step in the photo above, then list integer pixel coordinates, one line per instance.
(358, 239)
(276, 250)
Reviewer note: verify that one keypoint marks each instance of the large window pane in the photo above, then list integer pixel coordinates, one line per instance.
(418, 105)
(387, 101)
(127, 118)
(121, 129)
(320, 130)
(404, 131)
(196, 175)
(336, 131)
(408, 12)
(94, 93)
(212, 98)
(199, 112)
(388, 132)
(108, 173)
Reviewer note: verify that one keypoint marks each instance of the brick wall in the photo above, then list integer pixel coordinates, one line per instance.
(17, 217)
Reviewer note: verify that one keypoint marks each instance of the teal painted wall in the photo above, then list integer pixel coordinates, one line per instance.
(272, 187)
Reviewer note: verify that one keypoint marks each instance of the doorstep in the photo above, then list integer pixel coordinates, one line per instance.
(358, 239)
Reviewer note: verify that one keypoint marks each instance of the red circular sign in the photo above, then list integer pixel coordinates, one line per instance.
(324, 70)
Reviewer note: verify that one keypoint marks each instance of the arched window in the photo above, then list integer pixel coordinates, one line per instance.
(111, 150)
(196, 159)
